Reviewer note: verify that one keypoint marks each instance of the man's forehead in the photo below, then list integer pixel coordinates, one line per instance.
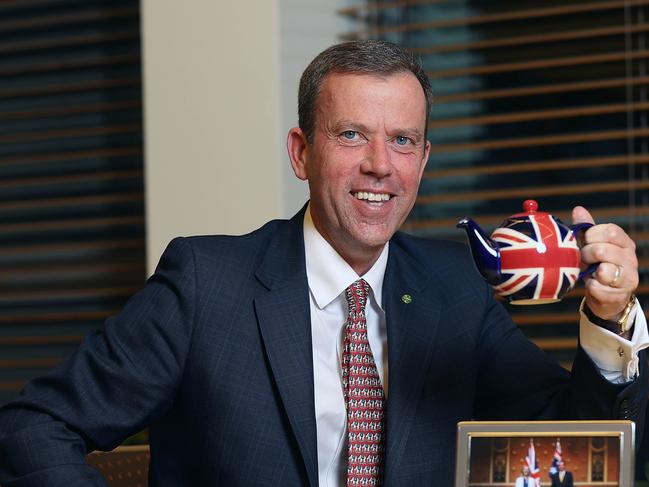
(337, 89)
(338, 77)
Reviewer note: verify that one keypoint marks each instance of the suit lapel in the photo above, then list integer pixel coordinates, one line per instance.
(284, 321)
(412, 314)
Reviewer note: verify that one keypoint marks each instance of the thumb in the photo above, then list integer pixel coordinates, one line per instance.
(581, 215)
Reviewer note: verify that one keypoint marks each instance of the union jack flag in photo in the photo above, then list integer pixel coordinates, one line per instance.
(523, 263)
(556, 458)
(532, 464)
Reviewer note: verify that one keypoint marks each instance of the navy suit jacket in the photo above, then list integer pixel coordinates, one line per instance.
(215, 356)
(567, 480)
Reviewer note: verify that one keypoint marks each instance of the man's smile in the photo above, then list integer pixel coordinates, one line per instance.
(372, 197)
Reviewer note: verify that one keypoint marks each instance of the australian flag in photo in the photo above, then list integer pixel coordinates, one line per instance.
(543, 255)
(556, 458)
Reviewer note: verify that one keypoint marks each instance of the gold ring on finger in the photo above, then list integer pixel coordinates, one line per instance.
(616, 278)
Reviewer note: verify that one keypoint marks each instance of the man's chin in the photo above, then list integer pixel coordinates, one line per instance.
(375, 237)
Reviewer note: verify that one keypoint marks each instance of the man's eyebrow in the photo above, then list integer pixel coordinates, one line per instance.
(350, 125)
(413, 132)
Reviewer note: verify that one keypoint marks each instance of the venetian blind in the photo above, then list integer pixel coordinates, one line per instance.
(533, 99)
(71, 191)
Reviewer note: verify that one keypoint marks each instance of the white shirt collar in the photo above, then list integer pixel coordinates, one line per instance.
(328, 273)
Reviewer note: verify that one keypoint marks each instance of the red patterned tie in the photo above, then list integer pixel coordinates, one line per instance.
(363, 393)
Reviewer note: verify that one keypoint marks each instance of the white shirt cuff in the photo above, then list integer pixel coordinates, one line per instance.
(616, 357)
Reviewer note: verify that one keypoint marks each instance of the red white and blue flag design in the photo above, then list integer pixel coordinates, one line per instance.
(523, 264)
(532, 464)
(556, 458)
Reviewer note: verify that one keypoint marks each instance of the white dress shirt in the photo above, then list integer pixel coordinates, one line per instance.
(616, 357)
(329, 275)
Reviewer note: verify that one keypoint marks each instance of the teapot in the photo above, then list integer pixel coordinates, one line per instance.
(532, 258)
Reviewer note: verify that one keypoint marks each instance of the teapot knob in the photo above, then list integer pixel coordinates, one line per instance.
(530, 206)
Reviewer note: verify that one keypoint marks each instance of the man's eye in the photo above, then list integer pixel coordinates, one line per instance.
(350, 134)
(401, 140)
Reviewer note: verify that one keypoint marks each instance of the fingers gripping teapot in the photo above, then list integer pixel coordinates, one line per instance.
(532, 258)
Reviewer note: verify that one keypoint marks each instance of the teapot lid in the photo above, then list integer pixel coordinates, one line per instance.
(530, 207)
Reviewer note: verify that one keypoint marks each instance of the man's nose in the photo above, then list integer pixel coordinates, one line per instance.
(378, 162)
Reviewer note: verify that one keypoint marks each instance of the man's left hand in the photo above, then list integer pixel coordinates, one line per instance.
(610, 287)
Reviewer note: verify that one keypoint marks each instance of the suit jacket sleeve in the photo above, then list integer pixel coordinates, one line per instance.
(520, 382)
(119, 380)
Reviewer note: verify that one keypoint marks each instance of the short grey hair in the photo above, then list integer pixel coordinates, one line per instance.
(372, 57)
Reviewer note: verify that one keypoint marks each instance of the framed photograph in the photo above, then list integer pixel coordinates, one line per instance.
(545, 453)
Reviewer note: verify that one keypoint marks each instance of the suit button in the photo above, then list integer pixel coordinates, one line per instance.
(624, 409)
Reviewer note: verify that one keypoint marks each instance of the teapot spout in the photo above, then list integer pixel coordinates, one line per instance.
(484, 250)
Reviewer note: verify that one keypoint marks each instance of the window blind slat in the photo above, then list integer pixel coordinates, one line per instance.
(490, 221)
(56, 157)
(537, 115)
(55, 19)
(532, 39)
(62, 41)
(69, 87)
(94, 108)
(505, 16)
(536, 166)
(75, 224)
(129, 244)
(554, 62)
(566, 189)
(58, 67)
(548, 89)
(75, 132)
(540, 140)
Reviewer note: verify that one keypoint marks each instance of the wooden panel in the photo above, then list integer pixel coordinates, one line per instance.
(126, 466)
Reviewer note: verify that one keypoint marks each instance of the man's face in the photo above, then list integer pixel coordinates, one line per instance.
(561, 466)
(526, 472)
(365, 162)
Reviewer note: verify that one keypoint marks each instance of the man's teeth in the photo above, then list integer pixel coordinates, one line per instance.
(364, 195)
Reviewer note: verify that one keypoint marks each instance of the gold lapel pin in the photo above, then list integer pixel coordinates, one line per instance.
(406, 298)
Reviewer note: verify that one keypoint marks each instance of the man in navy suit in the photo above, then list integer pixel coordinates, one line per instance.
(561, 478)
(231, 354)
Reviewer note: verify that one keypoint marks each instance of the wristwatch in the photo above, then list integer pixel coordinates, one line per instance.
(620, 326)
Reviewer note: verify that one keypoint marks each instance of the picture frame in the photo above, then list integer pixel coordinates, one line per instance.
(601, 452)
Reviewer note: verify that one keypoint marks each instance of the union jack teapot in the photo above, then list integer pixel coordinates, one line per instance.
(532, 258)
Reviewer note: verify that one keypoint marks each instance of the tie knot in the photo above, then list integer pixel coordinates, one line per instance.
(356, 295)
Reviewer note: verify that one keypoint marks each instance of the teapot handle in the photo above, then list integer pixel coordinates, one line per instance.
(576, 228)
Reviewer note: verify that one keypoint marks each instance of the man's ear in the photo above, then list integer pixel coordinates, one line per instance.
(297, 146)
